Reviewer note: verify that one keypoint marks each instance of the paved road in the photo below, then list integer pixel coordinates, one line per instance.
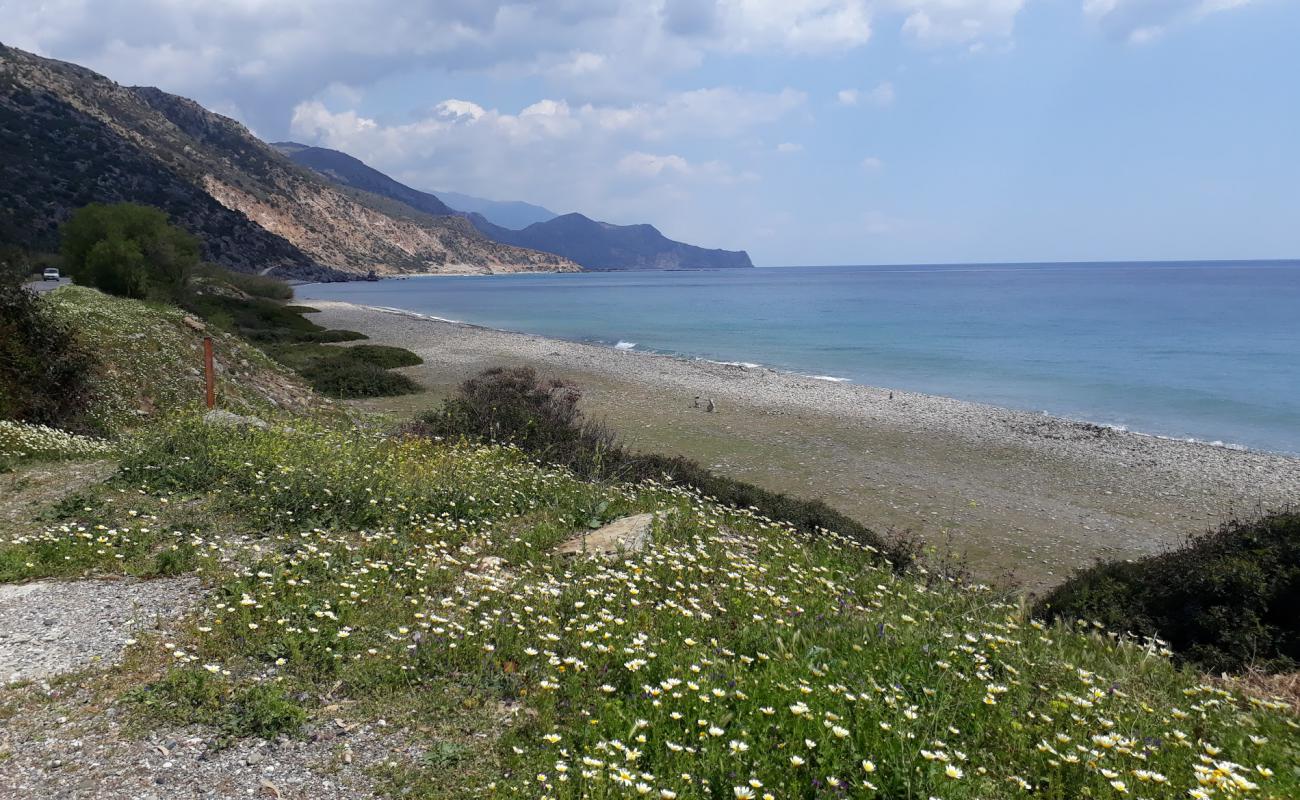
(41, 287)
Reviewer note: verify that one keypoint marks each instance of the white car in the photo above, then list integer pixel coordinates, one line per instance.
(50, 274)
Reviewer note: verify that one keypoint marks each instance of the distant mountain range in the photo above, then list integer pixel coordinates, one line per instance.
(69, 136)
(513, 214)
(593, 244)
(600, 245)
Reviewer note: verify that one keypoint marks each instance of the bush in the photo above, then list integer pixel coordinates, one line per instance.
(263, 286)
(1225, 601)
(129, 250)
(188, 696)
(45, 370)
(382, 355)
(542, 417)
(348, 378)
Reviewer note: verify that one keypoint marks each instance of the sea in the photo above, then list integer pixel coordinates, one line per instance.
(1192, 350)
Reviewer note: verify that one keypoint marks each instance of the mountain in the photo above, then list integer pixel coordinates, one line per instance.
(69, 136)
(593, 244)
(348, 171)
(600, 245)
(513, 214)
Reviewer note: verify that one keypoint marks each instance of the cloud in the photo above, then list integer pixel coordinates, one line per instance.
(611, 161)
(789, 147)
(872, 164)
(948, 22)
(881, 96)
(1144, 21)
(264, 56)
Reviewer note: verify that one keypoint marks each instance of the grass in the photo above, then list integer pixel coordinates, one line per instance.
(22, 442)
(736, 656)
(284, 333)
(149, 362)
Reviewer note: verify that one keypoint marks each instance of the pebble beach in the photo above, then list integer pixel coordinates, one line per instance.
(1021, 496)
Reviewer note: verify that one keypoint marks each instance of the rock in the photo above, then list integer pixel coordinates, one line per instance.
(626, 535)
(218, 416)
(195, 323)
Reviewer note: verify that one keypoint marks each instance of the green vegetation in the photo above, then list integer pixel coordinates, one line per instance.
(734, 656)
(189, 696)
(45, 369)
(1228, 600)
(757, 646)
(129, 250)
(147, 362)
(284, 332)
(21, 442)
(263, 286)
(512, 405)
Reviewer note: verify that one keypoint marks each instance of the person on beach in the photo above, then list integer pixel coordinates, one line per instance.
(696, 404)
(708, 406)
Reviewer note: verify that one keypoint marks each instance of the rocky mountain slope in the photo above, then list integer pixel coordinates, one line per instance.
(593, 244)
(514, 214)
(600, 245)
(355, 173)
(69, 136)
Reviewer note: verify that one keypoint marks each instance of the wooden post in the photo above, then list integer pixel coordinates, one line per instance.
(209, 372)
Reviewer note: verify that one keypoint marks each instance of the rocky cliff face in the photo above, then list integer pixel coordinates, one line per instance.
(69, 136)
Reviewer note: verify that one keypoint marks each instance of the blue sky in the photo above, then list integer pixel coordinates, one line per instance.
(805, 131)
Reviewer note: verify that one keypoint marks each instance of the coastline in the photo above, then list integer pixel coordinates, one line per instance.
(1024, 495)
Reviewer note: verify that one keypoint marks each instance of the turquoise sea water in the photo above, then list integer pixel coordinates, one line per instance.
(1202, 350)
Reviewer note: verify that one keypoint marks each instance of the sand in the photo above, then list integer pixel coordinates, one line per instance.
(1024, 497)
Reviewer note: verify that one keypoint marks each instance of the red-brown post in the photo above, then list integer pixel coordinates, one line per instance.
(209, 372)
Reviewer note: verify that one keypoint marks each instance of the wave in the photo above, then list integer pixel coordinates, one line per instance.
(622, 345)
(830, 378)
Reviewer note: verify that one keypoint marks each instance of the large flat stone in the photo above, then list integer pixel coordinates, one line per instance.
(626, 535)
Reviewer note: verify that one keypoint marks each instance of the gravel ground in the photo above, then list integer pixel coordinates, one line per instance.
(52, 626)
(70, 748)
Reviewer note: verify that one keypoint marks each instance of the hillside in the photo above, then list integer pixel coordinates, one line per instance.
(592, 244)
(71, 136)
(600, 245)
(514, 214)
(348, 171)
(316, 608)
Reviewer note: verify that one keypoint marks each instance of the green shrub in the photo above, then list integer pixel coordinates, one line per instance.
(382, 355)
(129, 250)
(348, 378)
(542, 417)
(190, 696)
(45, 369)
(324, 337)
(1227, 600)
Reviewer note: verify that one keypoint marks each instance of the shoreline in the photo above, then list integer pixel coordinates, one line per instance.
(631, 347)
(1025, 495)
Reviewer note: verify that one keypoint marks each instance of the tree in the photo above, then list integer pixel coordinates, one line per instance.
(129, 250)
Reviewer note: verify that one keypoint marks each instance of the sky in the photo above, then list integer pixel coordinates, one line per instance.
(803, 131)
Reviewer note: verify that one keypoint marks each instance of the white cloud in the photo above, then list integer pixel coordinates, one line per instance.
(872, 164)
(789, 147)
(266, 55)
(1142, 22)
(880, 96)
(948, 22)
(648, 165)
(610, 161)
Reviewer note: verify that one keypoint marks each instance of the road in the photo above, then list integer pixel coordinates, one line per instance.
(41, 287)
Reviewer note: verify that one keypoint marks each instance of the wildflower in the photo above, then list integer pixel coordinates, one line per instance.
(953, 771)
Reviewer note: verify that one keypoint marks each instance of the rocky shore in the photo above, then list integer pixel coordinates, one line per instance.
(1022, 495)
